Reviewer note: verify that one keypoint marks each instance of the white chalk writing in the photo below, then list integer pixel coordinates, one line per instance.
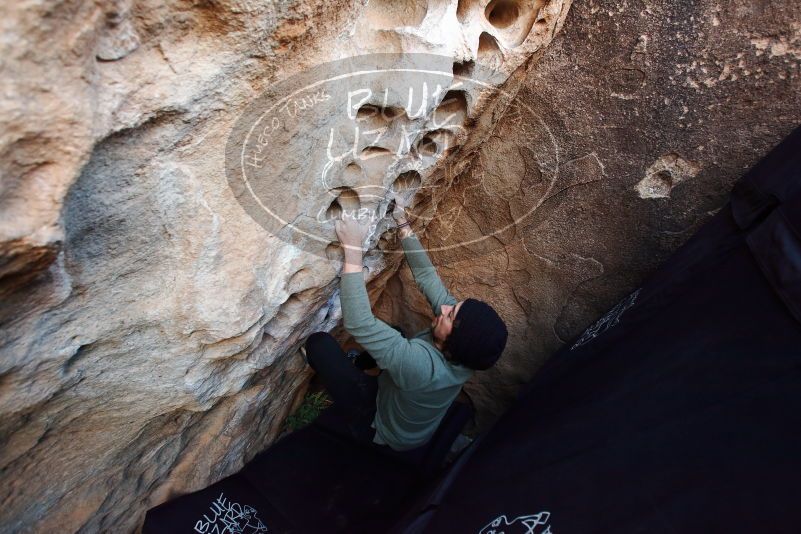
(353, 108)
(294, 106)
(291, 108)
(256, 157)
(362, 214)
(361, 106)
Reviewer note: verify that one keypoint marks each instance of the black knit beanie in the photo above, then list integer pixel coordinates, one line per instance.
(478, 336)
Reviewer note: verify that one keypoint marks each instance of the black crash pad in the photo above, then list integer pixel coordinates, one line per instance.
(679, 410)
(314, 480)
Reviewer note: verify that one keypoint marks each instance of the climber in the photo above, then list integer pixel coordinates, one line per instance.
(420, 377)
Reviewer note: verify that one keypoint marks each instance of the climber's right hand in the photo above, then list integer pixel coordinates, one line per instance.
(399, 212)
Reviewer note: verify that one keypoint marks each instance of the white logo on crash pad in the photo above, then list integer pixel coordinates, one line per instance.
(226, 517)
(525, 524)
(609, 320)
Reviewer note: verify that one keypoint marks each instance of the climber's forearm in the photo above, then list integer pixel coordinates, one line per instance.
(354, 260)
(406, 231)
(425, 274)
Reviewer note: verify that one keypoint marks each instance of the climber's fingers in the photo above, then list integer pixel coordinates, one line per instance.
(352, 231)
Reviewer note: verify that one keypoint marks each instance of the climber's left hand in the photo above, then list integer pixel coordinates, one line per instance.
(352, 233)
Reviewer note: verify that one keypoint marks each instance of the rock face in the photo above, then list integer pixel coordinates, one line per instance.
(148, 326)
(625, 137)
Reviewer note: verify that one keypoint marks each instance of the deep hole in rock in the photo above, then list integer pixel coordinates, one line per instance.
(370, 111)
(454, 100)
(463, 69)
(334, 251)
(443, 141)
(664, 179)
(347, 201)
(374, 151)
(367, 111)
(352, 175)
(427, 146)
(452, 112)
(407, 183)
(489, 51)
(502, 13)
(463, 8)
(334, 211)
(513, 20)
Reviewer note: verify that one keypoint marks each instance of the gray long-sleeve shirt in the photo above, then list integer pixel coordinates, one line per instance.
(418, 384)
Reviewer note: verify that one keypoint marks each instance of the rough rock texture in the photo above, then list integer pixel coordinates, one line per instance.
(148, 326)
(627, 135)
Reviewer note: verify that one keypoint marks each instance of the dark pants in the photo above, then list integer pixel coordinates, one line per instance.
(353, 391)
